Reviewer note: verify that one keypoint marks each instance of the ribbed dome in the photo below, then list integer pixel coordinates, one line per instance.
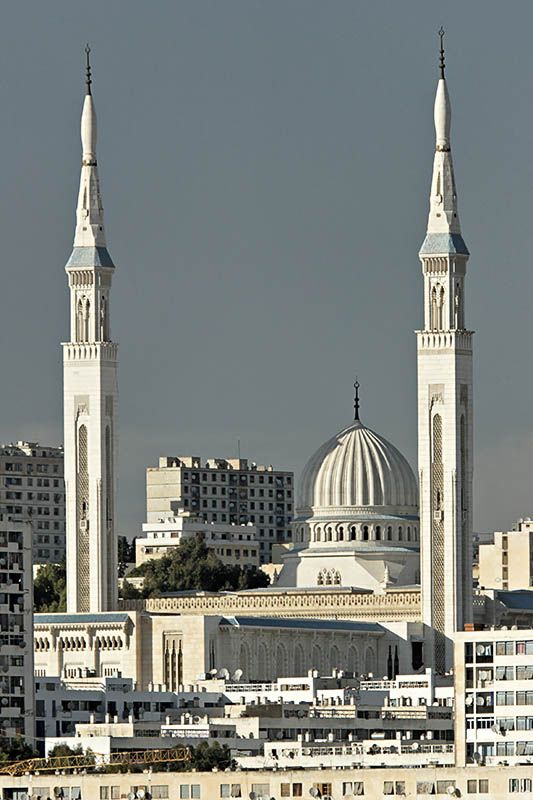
(355, 468)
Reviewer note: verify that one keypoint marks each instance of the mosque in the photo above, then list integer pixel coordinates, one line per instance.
(379, 577)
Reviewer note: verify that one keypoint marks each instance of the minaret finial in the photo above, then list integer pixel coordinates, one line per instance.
(356, 400)
(442, 61)
(88, 80)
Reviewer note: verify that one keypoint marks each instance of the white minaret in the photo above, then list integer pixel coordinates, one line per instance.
(90, 396)
(444, 352)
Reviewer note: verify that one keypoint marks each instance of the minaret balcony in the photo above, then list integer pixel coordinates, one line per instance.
(90, 351)
(445, 340)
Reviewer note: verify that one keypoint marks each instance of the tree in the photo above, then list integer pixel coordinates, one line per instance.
(192, 566)
(207, 756)
(129, 592)
(126, 554)
(16, 749)
(64, 749)
(50, 588)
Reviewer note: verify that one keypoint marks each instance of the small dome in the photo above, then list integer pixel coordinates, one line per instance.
(358, 468)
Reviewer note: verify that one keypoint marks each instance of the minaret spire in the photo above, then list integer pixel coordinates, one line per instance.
(442, 61)
(90, 231)
(356, 400)
(444, 229)
(88, 80)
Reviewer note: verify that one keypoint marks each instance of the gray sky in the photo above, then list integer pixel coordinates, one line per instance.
(265, 170)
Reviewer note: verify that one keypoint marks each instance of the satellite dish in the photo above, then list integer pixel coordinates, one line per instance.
(480, 701)
(314, 792)
(469, 700)
(237, 675)
(131, 796)
(480, 649)
(224, 673)
(451, 790)
(252, 796)
(213, 672)
(477, 758)
(140, 794)
(415, 746)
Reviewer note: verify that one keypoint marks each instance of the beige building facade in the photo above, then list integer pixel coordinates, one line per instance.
(507, 563)
(489, 783)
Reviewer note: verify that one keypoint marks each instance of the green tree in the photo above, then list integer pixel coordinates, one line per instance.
(16, 749)
(192, 566)
(126, 554)
(63, 749)
(129, 592)
(50, 588)
(207, 756)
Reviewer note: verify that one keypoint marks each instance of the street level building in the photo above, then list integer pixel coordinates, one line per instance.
(233, 491)
(234, 545)
(16, 630)
(32, 489)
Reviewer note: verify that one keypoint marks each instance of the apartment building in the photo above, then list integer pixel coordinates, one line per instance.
(16, 630)
(507, 562)
(234, 545)
(233, 491)
(494, 697)
(32, 489)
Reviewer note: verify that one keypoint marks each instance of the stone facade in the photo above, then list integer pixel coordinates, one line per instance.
(90, 398)
(444, 412)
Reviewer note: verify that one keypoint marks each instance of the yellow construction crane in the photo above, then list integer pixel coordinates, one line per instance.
(96, 761)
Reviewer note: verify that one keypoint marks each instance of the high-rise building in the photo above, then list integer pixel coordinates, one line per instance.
(90, 396)
(226, 491)
(444, 410)
(32, 489)
(16, 630)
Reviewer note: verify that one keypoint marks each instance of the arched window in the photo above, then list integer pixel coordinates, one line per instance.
(389, 533)
(378, 533)
(408, 533)
(441, 309)
(370, 661)
(104, 333)
(86, 320)
(341, 534)
(263, 663)
(298, 660)
(433, 320)
(400, 534)
(316, 658)
(79, 321)
(334, 659)
(328, 535)
(352, 533)
(281, 661)
(317, 534)
(244, 660)
(365, 533)
(353, 660)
